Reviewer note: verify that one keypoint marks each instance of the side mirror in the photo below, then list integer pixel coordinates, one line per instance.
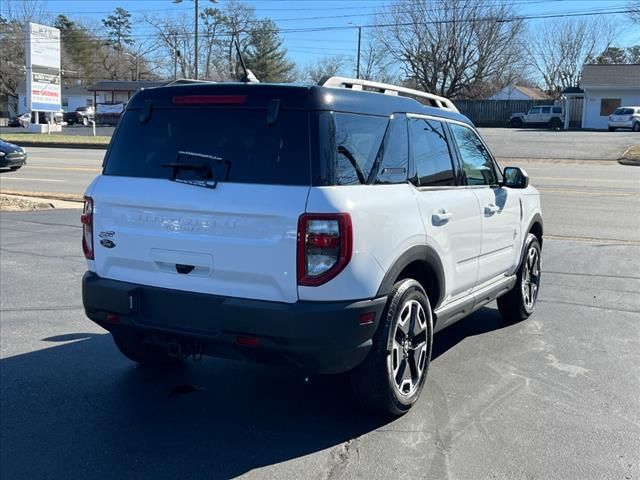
(515, 177)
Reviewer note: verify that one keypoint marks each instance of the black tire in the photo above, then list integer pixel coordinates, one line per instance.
(636, 127)
(611, 129)
(373, 382)
(555, 124)
(514, 305)
(515, 122)
(133, 346)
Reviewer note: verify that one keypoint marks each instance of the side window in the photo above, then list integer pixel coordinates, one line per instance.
(430, 153)
(557, 109)
(476, 160)
(534, 110)
(546, 110)
(358, 140)
(395, 158)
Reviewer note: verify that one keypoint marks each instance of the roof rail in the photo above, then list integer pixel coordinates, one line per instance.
(387, 89)
(186, 81)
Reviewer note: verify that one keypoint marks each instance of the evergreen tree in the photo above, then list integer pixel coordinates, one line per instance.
(266, 57)
(118, 26)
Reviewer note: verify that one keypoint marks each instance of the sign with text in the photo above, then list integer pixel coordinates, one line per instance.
(42, 61)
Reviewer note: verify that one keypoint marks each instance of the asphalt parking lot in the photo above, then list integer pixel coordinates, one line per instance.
(554, 397)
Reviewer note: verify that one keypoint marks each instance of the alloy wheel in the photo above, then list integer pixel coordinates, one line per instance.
(408, 356)
(531, 278)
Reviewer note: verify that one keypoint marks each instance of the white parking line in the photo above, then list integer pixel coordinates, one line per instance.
(31, 179)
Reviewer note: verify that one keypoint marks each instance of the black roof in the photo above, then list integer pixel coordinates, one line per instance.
(296, 97)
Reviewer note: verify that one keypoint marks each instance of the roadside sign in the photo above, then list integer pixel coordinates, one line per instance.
(42, 61)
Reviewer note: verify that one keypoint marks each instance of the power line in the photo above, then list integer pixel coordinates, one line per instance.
(326, 28)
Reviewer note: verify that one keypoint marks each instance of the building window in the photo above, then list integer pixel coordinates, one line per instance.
(89, 102)
(65, 101)
(608, 106)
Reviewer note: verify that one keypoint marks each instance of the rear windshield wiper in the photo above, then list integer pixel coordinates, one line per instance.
(204, 168)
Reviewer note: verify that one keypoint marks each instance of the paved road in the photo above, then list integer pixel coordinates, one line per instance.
(58, 170)
(545, 144)
(553, 397)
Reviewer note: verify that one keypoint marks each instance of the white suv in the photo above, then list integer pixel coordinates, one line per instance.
(332, 227)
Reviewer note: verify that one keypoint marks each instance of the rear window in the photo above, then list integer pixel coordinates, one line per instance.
(623, 111)
(254, 151)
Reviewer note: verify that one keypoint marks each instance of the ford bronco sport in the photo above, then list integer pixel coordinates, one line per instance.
(332, 227)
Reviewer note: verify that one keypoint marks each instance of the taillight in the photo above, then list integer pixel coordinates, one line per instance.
(324, 247)
(87, 228)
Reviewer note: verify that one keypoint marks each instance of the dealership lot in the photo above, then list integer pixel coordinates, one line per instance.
(556, 396)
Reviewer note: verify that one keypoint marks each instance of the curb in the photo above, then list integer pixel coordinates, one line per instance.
(629, 161)
(633, 163)
(83, 146)
(66, 197)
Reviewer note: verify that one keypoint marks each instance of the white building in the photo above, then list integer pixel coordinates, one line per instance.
(607, 87)
(517, 92)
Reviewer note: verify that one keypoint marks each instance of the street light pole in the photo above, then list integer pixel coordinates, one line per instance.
(195, 62)
(358, 59)
(195, 34)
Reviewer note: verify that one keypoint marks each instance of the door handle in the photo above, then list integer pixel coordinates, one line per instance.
(441, 217)
(491, 209)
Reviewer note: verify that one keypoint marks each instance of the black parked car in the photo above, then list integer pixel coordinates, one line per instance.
(82, 115)
(11, 156)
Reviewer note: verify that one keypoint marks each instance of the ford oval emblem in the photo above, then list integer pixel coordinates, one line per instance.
(105, 242)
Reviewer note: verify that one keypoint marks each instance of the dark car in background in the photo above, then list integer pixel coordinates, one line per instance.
(12, 156)
(82, 115)
(25, 119)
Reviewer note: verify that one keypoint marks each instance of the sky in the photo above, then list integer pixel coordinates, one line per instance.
(304, 47)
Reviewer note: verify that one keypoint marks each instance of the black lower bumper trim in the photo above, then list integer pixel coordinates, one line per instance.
(323, 337)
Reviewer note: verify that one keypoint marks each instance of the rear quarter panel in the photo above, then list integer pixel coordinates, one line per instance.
(386, 222)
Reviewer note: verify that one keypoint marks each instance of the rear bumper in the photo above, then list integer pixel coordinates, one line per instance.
(321, 337)
(627, 124)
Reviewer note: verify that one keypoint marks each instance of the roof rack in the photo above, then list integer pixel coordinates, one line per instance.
(387, 89)
(186, 81)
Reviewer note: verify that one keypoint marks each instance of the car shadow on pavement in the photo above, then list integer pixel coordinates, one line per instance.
(81, 410)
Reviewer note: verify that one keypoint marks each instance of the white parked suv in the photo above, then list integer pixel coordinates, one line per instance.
(625, 117)
(551, 116)
(332, 227)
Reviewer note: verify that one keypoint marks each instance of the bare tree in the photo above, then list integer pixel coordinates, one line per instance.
(327, 66)
(219, 28)
(557, 50)
(451, 47)
(634, 10)
(376, 64)
(23, 11)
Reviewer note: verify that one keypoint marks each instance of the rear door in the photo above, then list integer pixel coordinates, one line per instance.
(500, 207)
(449, 212)
(205, 200)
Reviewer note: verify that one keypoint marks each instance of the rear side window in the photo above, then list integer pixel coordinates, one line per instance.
(430, 153)
(358, 139)
(255, 151)
(557, 109)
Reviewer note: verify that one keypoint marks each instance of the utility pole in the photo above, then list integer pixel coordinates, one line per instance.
(358, 58)
(176, 54)
(195, 62)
